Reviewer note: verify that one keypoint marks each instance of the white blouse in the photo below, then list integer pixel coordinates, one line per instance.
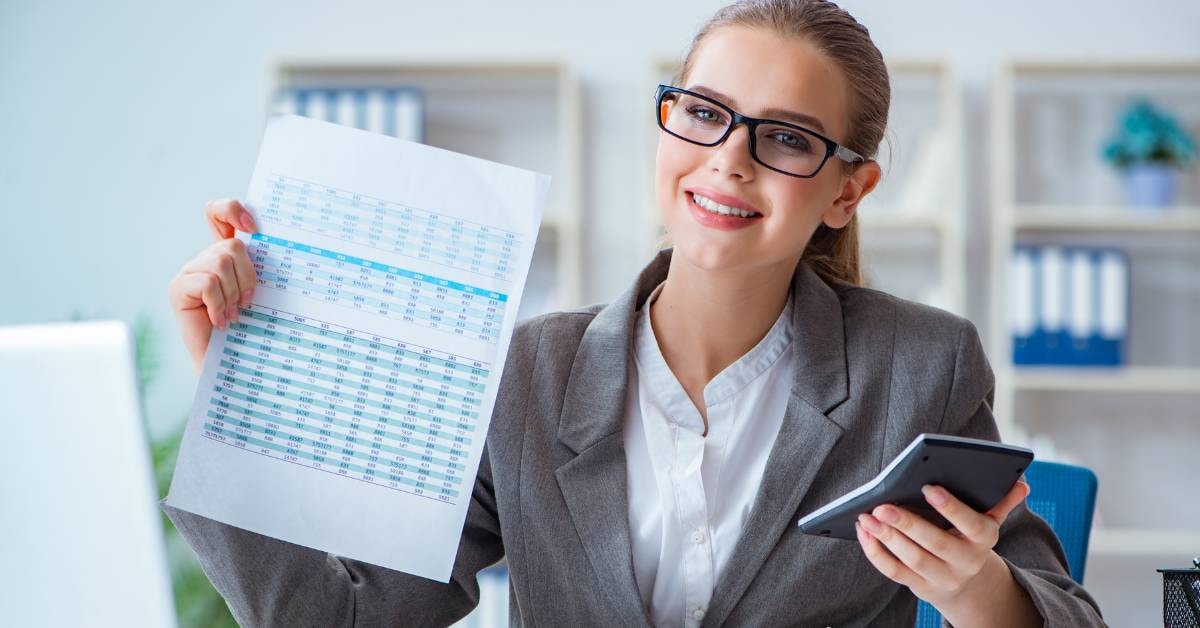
(689, 494)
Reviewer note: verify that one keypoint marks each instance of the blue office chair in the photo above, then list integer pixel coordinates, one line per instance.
(1065, 496)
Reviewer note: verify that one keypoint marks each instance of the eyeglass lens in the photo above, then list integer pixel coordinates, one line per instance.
(781, 147)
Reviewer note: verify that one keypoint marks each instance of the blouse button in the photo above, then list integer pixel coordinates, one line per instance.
(697, 537)
(698, 614)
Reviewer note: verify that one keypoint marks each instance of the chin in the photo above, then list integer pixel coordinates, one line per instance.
(712, 254)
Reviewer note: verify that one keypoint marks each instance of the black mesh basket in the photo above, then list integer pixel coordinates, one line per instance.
(1181, 597)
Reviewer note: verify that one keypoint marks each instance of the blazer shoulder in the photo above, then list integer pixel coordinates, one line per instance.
(918, 329)
(570, 322)
(539, 361)
(553, 333)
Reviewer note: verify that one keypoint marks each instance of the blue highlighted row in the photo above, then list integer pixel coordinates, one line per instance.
(400, 272)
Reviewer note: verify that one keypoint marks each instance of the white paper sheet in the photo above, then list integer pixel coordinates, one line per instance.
(347, 409)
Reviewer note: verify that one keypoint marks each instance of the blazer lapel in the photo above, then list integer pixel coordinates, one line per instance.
(805, 439)
(593, 483)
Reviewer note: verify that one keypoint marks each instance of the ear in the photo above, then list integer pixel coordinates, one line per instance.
(664, 109)
(856, 187)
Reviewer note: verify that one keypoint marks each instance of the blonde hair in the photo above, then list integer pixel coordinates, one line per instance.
(832, 253)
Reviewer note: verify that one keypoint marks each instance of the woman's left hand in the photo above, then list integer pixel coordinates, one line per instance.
(939, 566)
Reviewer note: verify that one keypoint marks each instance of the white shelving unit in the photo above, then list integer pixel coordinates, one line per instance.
(911, 222)
(521, 112)
(1136, 426)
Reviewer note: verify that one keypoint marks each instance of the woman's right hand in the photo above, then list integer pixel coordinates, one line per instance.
(210, 287)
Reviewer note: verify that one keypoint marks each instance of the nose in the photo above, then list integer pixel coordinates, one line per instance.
(732, 157)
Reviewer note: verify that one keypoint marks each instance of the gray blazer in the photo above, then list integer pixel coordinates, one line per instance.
(872, 372)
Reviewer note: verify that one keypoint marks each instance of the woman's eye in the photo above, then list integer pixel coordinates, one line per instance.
(790, 140)
(704, 114)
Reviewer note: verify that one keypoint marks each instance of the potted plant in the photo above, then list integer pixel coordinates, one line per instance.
(1148, 147)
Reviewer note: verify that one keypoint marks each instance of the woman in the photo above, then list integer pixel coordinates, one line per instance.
(647, 460)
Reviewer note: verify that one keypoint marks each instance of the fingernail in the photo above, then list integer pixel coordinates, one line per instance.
(233, 313)
(246, 298)
(870, 523)
(247, 222)
(221, 320)
(858, 531)
(935, 495)
(887, 514)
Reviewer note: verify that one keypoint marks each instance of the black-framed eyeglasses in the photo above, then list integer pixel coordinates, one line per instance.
(781, 146)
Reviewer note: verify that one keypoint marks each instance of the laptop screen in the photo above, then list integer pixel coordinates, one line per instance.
(81, 531)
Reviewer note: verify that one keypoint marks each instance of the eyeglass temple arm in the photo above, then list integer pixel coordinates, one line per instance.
(848, 155)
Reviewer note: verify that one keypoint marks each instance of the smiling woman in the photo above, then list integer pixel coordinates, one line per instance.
(764, 61)
(768, 93)
(647, 460)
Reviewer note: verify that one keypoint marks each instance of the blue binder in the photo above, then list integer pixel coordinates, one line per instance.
(1069, 305)
(398, 111)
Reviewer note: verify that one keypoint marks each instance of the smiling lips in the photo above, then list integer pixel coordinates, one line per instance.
(720, 211)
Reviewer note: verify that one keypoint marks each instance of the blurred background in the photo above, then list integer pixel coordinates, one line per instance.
(1040, 179)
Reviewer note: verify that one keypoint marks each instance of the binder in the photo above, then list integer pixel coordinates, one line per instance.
(398, 111)
(1023, 305)
(315, 104)
(346, 107)
(1082, 312)
(1052, 332)
(1069, 305)
(1114, 306)
(376, 111)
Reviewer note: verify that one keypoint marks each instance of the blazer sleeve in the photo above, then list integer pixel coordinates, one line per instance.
(1027, 543)
(269, 582)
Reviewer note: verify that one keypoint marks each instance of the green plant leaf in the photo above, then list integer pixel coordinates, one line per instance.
(1146, 134)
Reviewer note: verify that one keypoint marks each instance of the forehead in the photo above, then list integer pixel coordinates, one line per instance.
(760, 70)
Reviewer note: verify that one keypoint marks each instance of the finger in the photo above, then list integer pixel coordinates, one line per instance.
(243, 269)
(921, 562)
(225, 216)
(977, 527)
(227, 271)
(950, 549)
(1015, 496)
(193, 290)
(884, 561)
(219, 262)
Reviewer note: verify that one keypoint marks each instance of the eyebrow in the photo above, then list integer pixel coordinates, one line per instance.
(774, 112)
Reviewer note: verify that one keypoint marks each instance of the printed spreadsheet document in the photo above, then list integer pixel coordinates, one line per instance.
(347, 408)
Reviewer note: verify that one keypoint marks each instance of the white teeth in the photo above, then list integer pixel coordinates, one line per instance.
(717, 208)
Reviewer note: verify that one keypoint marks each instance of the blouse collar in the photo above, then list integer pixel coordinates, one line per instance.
(665, 388)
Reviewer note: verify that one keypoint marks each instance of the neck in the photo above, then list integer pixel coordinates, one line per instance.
(704, 320)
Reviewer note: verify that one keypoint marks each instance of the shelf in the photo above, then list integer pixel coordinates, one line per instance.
(1091, 65)
(1107, 218)
(1137, 379)
(433, 67)
(896, 220)
(1144, 541)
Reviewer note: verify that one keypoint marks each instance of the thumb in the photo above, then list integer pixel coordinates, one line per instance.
(1015, 496)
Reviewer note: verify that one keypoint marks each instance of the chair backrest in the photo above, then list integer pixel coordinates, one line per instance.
(1065, 496)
